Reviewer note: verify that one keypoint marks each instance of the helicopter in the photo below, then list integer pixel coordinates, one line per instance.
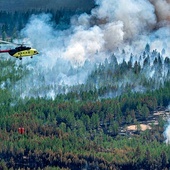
(20, 51)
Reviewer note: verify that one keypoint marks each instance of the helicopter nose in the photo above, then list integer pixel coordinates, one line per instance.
(36, 52)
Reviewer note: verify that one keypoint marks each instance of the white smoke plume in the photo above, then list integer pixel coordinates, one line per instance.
(68, 56)
(167, 133)
(167, 129)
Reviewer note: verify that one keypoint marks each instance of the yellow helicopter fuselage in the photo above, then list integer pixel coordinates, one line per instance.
(20, 52)
(25, 53)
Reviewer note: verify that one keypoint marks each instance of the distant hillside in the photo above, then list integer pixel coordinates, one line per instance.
(21, 5)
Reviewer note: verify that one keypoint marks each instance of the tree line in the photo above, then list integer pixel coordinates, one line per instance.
(11, 23)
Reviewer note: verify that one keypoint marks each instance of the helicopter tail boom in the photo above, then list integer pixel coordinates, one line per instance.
(4, 51)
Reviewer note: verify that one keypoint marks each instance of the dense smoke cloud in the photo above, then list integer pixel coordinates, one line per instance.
(137, 17)
(162, 9)
(111, 25)
(68, 56)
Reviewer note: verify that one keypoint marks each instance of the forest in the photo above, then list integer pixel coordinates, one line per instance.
(80, 127)
(20, 5)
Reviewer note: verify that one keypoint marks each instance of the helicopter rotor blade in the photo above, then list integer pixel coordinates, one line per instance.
(7, 42)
